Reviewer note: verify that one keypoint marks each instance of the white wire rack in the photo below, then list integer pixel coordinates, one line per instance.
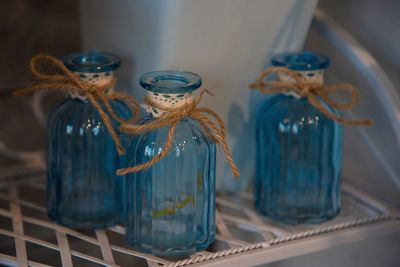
(244, 238)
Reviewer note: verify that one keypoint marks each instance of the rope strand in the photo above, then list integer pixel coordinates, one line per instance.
(97, 94)
(312, 91)
(212, 125)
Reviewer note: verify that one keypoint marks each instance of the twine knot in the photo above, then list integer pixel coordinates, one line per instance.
(209, 121)
(65, 80)
(317, 94)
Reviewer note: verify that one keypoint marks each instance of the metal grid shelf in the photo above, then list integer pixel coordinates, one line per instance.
(28, 237)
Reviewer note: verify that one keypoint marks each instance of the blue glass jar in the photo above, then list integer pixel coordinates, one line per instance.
(299, 151)
(171, 205)
(83, 190)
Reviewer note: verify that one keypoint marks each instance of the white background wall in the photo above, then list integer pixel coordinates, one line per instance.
(376, 24)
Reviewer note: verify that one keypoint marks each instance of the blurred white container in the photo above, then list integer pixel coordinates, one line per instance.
(226, 42)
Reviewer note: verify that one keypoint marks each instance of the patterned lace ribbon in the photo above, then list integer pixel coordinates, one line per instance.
(208, 120)
(317, 94)
(65, 80)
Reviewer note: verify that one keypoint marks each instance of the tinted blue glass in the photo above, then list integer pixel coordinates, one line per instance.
(91, 62)
(83, 190)
(302, 61)
(170, 82)
(171, 205)
(299, 157)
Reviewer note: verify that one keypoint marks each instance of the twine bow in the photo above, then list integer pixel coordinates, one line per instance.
(208, 120)
(317, 94)
(68, 81)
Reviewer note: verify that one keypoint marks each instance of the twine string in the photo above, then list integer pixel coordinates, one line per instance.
(317, 94)
(65, 80)
(209, 121)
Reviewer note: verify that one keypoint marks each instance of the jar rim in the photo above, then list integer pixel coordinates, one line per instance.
(301, 61)
(91, 62)
(170, 82)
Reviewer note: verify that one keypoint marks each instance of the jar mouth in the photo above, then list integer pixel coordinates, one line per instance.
(302, 61)
(170, 82)
(91, 62)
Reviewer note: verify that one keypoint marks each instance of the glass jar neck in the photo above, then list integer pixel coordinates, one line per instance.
(98, 78)
(309, 76)
(166, 102)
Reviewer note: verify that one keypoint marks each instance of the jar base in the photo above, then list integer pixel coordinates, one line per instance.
(84, 225)
(173, 253)
(288, 219)
(97, 210)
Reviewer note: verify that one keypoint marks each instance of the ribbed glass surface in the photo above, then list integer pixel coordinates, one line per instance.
(83, 190)
(171, 205)
(299, 158)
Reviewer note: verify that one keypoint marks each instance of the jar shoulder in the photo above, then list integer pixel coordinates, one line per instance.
(188, 132)
(185, 124)
(286, 107)
(73, 110)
